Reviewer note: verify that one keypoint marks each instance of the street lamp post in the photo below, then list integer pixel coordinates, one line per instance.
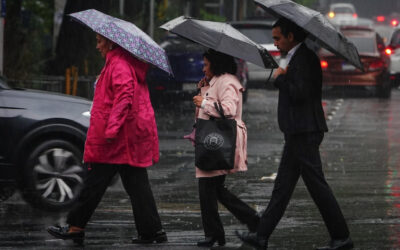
(151, 25)
(2, 16)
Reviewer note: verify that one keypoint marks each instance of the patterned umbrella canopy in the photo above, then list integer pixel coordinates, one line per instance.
(126, 35)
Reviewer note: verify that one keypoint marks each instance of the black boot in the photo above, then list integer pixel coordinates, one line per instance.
(338, 245)
(158, 237)
(253, 240)
(253, 226)
(60, 232)
(209, 241)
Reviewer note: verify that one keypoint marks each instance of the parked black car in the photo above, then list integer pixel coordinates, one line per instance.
(42, 137)
(186, 59)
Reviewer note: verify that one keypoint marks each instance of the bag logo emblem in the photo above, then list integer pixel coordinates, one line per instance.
(213, 141)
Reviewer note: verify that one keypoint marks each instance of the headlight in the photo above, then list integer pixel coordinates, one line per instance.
(86, 114)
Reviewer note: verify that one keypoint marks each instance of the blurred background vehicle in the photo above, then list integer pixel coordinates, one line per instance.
(371, 48)
(260, 31)
(42, 140)
(393, 50)
(186, 59)
(385, 25)
(342, 14)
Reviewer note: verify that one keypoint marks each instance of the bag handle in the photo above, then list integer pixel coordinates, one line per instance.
(220, 110)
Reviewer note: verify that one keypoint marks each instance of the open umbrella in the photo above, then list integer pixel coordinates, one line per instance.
(126, 35)
(318, 27)
(221, 37)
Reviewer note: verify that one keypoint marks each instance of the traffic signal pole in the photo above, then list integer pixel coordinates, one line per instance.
(2, 20)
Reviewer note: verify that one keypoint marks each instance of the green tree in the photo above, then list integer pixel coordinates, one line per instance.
(76, 44)
(27, 37)
(308, 3)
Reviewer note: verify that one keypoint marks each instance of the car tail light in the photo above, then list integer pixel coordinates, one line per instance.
(324, 64)
(376, 65)
(275, 53)
(388, 51)
(331, 14)
(394, 22)
(160, 87)
(380, 18)
(355, 15)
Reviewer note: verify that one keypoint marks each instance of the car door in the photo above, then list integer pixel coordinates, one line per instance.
(395, 57)
(10, 111)
(3, 137)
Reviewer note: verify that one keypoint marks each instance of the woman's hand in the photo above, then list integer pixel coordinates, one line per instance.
(202, 83)
(197, 100)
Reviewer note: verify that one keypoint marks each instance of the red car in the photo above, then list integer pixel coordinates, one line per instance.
(371, 48)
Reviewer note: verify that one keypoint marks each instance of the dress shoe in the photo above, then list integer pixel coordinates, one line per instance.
(209, 241)
(253, 226)
(60, 232)
(338, 245)
(158, 237)
(253, 240)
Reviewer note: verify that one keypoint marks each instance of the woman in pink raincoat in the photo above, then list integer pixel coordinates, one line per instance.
(221, 85)
(122, 138)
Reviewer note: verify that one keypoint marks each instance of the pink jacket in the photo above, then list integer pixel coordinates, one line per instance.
(227, 90)
(122, 111)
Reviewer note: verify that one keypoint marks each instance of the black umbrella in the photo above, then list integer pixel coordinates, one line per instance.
(318, 27)
(221, 37)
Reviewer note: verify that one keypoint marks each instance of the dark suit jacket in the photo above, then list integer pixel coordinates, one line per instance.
(299, 106)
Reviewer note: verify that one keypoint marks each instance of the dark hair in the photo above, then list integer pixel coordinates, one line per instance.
(220, 63)
(288, 26)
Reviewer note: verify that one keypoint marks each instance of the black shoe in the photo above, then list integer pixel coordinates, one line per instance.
(60, 232)
(253, 240)
(159, 237)
(253, 226)
(209, 241)
(338, 245)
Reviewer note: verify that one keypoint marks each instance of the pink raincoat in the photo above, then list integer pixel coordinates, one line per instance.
(122, 112)
(227, 90)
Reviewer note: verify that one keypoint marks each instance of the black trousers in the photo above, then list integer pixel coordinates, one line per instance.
(301, 157)
(212, 190)
(136, 184)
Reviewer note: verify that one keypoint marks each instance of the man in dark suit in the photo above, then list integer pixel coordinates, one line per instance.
(301, 119)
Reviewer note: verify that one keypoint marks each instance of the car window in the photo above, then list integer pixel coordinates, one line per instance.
(343, 10)
(395, 38)
(257, 34)
(364, 44)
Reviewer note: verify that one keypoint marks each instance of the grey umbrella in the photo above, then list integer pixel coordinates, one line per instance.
(221, 37)
(318, 27)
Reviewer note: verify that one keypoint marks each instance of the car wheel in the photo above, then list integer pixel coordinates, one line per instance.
(384, 91)
(53, 175)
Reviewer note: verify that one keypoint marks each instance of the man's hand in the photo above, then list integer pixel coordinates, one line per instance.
(279, 71)
(197, 100)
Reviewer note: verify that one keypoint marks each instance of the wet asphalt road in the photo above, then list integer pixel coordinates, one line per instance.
(361, 160)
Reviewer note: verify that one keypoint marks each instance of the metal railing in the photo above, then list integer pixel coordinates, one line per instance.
(83, 88)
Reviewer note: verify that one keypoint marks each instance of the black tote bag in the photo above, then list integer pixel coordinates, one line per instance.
(215, 142)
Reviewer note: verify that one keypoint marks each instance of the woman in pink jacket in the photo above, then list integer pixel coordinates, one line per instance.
(221, 85)
(122, 138)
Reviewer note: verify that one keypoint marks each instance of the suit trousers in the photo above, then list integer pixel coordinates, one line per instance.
(301, 157)
(136, 184)
(211, 190)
